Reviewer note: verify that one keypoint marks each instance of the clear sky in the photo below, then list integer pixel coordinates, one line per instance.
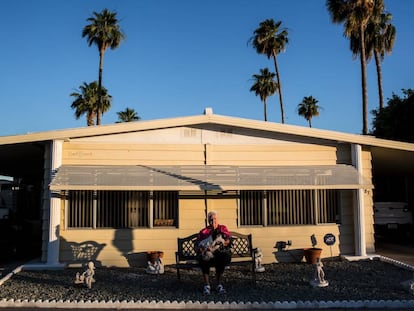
(181, 56)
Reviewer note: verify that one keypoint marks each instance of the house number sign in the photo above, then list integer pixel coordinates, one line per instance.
(329, 239)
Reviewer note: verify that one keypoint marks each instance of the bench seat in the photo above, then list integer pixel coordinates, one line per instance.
(242, 252)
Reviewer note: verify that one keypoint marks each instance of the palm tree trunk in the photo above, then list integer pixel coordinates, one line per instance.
(90, 119)
(364, 82)
(282, 110)
(98, 113)
(265, 109)
(379, 79)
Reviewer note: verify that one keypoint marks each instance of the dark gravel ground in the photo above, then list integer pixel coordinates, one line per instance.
(362, 280)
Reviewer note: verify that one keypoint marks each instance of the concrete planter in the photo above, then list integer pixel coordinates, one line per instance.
(291, 255)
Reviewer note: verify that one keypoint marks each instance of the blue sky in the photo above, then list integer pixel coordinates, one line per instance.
(181, 56)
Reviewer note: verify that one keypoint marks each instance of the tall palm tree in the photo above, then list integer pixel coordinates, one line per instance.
(355, 15)
(103, 31)
(86, 101)
(264, 86)
(270, 39)
(308, 108)
(379, 37)
(383, 44)
(128, 115)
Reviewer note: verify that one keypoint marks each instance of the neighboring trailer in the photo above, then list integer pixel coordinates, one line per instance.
(393, 218)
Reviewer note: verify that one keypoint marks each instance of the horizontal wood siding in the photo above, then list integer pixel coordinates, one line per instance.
(131, 154)
(127, 247)
(344, 154)
(192, 215)
(347, 229)
(289, 154)
(266, 238)
(368, 202)
(75, 153)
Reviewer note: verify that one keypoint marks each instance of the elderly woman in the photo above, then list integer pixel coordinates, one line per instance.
(213, 246)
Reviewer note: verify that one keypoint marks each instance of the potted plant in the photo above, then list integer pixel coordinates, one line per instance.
(313, 253)
(152, 256)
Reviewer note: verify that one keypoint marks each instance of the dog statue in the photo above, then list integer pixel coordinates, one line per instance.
(155, 268)
(258, 256)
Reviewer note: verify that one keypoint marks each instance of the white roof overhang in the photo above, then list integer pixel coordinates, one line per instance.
(207, 177)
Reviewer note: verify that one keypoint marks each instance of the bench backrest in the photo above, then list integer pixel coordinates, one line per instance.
(240, 245)
(186, 247)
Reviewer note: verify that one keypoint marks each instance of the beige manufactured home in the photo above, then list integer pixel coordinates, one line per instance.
(111, 193)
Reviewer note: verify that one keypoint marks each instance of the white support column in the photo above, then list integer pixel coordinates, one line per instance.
(359, 214)
(54, 211)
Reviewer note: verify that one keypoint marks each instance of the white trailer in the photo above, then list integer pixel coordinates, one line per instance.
(393, 217)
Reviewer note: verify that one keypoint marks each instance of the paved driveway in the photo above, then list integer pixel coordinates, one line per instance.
(400, 252)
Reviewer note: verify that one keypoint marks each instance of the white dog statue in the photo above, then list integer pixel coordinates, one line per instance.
(155, 268)
(258, 255)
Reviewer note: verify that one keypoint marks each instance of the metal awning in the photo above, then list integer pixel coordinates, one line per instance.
(207, 177)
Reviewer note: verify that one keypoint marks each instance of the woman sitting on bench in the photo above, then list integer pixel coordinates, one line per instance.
(213, 248)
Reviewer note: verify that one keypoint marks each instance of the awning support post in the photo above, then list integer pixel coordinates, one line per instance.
(54, 211)
(359, 215)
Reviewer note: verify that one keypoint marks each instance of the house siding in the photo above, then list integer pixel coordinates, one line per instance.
(188, 146)
(126, 247)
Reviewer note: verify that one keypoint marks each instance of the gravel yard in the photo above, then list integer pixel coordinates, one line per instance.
(362, 280)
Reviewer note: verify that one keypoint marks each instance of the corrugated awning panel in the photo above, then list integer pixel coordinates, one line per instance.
(207, 177)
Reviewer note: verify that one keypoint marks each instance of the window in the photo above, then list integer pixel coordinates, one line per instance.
(121, 209)
(251, 207)
(80, 209)
(165, 206)
(288, 207)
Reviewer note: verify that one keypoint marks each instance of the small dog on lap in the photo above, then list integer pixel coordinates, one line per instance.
(209, 246)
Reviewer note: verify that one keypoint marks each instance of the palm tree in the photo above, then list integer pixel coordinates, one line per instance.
(264, 86)
(270, 39)
(86, 101)
(379, 40)
(383, 44)
(308, 109)
(128, 115)
(355, 15)
(104, 32)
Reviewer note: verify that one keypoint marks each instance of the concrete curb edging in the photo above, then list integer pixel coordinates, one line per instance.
(397, 263)
(8, 276)
(174, 305)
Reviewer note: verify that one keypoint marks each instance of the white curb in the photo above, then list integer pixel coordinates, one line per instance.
(174, 305)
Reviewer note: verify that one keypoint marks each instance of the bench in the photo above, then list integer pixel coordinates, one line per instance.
(242, 252)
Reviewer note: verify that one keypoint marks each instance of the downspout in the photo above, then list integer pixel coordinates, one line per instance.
(205, 190)
(359, 215)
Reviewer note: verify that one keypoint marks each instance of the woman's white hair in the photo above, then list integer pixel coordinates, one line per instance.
(211, 213)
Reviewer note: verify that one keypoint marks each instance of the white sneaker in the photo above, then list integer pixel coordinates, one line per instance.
(206, 290)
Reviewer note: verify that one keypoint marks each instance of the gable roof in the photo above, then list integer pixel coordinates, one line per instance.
(211, 119)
